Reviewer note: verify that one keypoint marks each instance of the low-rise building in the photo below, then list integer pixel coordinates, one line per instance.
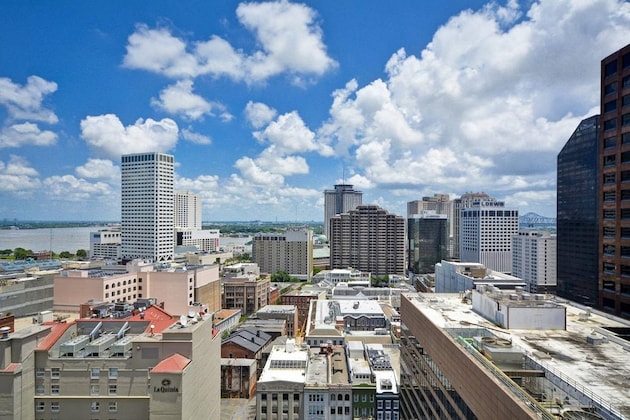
(280, 388)
(455, 277)
(227, 319)
(302, 301)
(286, 312)
(106, 244)
(247, 293)
(177, 289)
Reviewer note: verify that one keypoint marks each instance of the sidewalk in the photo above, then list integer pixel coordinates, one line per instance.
(238, 409)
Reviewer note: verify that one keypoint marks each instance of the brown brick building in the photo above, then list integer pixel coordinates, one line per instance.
(614, 164)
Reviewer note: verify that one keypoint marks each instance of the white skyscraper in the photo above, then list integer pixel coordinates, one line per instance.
(187, 210)
(487, 228)
(147, 206)
(534, 260)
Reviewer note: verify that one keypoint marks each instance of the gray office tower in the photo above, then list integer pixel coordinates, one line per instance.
(340, 200)
(577, 207)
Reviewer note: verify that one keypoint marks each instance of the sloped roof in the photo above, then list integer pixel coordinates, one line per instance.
(251, 339)
(57, 329)
(172, 364)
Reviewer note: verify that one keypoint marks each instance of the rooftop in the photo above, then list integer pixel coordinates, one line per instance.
(286, 363)
(592, 353)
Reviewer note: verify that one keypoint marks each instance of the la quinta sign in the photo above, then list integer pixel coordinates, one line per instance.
(165, 387)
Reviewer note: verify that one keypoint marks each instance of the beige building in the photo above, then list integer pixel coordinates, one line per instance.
(291, 252)
(368, 238)
(289, 313)
(152, 366)
(247, 293)
(178, 289)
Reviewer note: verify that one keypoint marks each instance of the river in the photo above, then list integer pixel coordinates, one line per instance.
(66, 239)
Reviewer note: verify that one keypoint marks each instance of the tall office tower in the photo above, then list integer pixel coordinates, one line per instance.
(427, 235)
(577, 207)
(187, 210)
(439, 203)
(290, 251)
(368, 238)
(486, 234)
(614, 163)
(534, 260)
(147, 206)
(460, 203)
(340, 200)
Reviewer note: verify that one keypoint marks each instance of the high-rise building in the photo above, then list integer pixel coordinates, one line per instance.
(460, 203)
(427, 235)
(187, 210)
(577, 209)
(290, 251)
(340, 200)
(439, 203)
(534, 260)
(614, 163)
(487, 228)
(147, 206)
(368, 238)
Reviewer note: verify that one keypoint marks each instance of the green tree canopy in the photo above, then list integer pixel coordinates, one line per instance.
(65, 254)
(81, 253)
(21, 253)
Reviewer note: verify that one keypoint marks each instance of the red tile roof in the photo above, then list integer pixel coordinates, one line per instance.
(159, 318)
(56, 331)
(172, 364)
(11, 367)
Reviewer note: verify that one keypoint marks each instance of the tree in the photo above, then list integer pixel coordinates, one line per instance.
(21, 253)
(81, 253)
(6, 252)
(281, 277)
(65, 254)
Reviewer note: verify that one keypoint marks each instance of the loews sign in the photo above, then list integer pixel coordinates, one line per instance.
(165, 387)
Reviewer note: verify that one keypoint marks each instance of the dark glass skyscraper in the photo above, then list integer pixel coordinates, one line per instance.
(577, 206)
(428, 239)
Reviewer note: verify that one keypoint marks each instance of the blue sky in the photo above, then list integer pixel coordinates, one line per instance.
(266, 104)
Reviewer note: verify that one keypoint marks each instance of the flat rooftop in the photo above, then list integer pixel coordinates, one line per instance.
(602, 369)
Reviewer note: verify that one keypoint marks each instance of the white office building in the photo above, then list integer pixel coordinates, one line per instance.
(487, 228)
(105, 244)
(187, 210)
(147, 206)
(534, 260)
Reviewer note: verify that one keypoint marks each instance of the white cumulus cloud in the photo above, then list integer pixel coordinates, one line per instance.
(107, 135)
(488, 103)
(25, 102)
(27, 133)
(290, 40)
(99, 169)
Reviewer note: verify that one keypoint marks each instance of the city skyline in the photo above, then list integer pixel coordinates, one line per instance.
(265, 105)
